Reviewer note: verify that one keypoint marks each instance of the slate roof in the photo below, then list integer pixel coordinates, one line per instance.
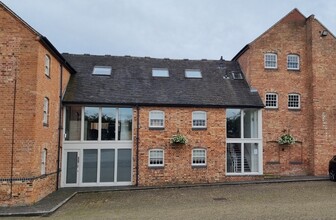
(131, 83)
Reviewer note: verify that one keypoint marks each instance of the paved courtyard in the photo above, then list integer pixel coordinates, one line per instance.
(303, 200)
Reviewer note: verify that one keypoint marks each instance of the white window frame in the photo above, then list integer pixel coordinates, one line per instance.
(151, 118)
(193, 156)
(243, 140)
(43, 161)
(194, 119)
(266, 60)
(299, 101)
(298, 61)
(46, 111)
(47, 65)
(277, 100)
(160, 72)
(157, 158)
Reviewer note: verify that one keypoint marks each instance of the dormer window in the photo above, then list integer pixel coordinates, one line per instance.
(270, 61)
(193, 73)
(102, 70)
(160, 72)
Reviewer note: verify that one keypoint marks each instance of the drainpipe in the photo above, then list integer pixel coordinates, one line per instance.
(13, 135)
(59, 128)
(137, 147)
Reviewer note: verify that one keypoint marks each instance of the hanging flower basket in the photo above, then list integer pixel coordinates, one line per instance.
(286, 139)
(178, 139)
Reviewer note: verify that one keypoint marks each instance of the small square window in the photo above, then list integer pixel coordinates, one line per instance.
(102, 70)
(199, 119)
(156, 158)
(156, 119)
(193, 73)
(270, 60)
(271, 100)
(294, 101)
(47, 65)
(198, 157)
(156, 72)
(293, 62)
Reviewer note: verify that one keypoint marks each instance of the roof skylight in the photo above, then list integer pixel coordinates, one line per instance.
(160, 72)
(102, 70)
(193, 73)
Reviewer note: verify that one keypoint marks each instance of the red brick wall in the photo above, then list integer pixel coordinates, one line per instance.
(295, 35)
(177, 159)
(22, 61)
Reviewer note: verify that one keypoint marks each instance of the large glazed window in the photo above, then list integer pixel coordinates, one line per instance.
(98, 124)
(125, 123)
(233, 123)
(91, 117)
(108, 124)
(244, 142)
(73, 123)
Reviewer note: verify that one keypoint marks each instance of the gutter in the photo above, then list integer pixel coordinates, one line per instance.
(60, 129)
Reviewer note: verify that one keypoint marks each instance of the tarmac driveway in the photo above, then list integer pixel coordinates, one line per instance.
(303, 200)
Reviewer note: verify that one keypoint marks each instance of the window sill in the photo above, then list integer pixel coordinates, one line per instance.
(244, 174)
(271, 68)
(156, 167)
(272, 109)
(272, 162)
(151, 128)
(45, 125)
(198, 129)
(198, 166)
(294, 109)
(48, 76)
(295, 162)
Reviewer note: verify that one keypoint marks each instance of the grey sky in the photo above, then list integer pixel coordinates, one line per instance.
(193, 29)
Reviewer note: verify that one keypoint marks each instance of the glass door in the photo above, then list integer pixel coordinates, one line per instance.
(72, 167)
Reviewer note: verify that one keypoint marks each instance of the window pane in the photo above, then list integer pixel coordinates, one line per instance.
(160, 73)
(233, 159)
(198, 157)
(156, 118)
(125, 124)
(271, 100)
(124, 165)
(270, 60)
(102, 70)
(193, 74)
(91, 123)
(107, 165)
(108, 123)
(90, 166)
(250, 124)
(251, 157)
(71, 169)
(233, 123)
(199, 119)
(156, 157)
(73, 123)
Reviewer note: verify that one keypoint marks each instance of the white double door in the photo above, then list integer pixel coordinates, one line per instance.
(96, 167)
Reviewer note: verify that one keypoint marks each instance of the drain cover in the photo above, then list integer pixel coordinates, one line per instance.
(220, 199)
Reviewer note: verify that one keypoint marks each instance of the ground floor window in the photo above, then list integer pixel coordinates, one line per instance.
(96, 166)
(243, 158)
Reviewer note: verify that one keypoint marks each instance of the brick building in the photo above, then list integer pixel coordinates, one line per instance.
(33, 73)
(109, 121)
(292, 66)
